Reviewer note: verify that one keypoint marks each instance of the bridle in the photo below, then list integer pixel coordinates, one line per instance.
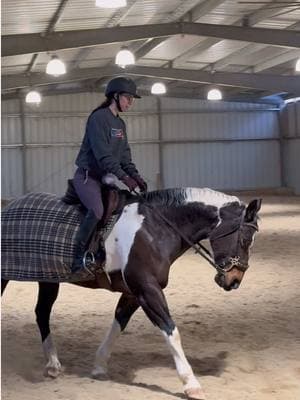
(234, 262)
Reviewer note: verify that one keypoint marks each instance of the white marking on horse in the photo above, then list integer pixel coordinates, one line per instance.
(53, 366)
(209, 197)
(117, 250)
(183, 367)
(104, 351)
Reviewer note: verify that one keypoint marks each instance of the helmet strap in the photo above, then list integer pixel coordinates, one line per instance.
(117, 100)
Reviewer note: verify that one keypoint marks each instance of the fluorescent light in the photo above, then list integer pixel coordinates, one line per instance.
(110, 3)
(33, 97)
(158, 88)
(297, 67)
(214, 94)
(55, 67)
(124, 57)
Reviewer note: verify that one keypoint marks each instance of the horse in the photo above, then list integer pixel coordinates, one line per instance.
(151, 232)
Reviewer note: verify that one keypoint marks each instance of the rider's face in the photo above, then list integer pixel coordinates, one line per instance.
(126, 101)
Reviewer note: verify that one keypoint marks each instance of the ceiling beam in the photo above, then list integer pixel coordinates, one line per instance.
(247, 80)
(34, 43)
(237, 56)
(248, 20)
(198, 93)
(193, 15)
(280, 59)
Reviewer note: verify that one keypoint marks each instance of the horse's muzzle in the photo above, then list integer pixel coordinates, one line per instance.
(220, 279)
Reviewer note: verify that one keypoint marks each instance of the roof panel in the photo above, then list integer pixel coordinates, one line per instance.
(27, 16)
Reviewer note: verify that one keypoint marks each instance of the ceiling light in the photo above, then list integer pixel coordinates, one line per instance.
(33, 97)
(214, 94)
(158, 88)
(297, 67)
(124, 57)
(55, 67)
(110, 3)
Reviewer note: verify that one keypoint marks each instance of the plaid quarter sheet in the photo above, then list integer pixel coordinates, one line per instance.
(38, 232)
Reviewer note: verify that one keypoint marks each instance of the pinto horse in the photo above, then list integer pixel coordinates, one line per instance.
(152, 231)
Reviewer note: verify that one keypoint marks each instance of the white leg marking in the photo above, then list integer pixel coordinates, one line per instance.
(191, 385)
(104, 351)
(53, 366)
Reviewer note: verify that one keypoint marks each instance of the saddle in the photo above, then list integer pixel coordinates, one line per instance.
(111, 197)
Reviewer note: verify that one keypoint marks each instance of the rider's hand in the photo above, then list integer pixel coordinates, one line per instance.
(141, 183)
(129, 182)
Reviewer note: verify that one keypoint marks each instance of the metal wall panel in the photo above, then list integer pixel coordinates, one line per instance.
(48, 168)
(222, 125)
(11, 173)
(232, 165)
(290, 126)
(292, 164)
(221, 145)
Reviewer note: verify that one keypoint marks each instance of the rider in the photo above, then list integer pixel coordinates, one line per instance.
(104, 150)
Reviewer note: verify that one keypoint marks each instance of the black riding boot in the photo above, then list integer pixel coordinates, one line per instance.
(82, 240)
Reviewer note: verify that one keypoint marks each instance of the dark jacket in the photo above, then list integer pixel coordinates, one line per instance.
(105, 148)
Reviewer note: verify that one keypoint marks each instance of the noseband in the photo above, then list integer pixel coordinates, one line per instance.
(199, 248)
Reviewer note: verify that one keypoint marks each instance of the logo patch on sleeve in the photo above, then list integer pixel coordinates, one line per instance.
(117, 133)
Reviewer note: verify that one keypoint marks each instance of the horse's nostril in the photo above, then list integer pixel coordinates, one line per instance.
(235, 284)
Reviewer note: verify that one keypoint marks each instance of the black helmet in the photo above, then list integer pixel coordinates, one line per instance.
(121, 85)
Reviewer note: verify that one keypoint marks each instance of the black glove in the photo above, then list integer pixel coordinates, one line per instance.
(141, 183)
(129, 182)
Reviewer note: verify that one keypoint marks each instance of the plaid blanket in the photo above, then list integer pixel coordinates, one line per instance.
(38, 232)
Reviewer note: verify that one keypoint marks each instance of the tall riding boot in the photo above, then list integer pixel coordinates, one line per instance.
(82, 240)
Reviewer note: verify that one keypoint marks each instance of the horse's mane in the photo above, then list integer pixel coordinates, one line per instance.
(181, 196)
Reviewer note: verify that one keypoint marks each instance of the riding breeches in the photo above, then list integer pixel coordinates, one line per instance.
(89, 191)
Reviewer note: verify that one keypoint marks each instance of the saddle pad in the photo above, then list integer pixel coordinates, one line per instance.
(38, 232)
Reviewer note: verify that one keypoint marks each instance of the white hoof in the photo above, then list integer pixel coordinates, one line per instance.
(99, 372)
(195, 394)
(53, 370)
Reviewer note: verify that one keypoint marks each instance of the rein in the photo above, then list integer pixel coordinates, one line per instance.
(198, 247)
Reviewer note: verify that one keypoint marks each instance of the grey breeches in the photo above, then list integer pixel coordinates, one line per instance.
(89, 191)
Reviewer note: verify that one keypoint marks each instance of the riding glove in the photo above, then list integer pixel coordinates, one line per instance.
(141, 183)
(129, 182)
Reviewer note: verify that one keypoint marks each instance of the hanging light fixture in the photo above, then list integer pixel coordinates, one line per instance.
(158, 88)
(297, 67)
(110, 3)
(33, 97)
(55, 67)
(124, 57)
(214, 94)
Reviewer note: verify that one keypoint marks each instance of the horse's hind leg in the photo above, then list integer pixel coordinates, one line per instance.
(4, 283)
(47, 295)
(127, 305)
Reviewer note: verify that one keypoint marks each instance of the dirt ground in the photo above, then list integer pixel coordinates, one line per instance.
(242, 345)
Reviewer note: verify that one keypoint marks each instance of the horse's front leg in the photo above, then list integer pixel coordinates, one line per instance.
(155, 306)
(127, 305)
(47, 295)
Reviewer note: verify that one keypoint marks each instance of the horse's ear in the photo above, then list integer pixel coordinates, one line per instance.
(252, 209)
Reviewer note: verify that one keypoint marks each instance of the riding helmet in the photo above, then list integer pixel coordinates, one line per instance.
(121, 85)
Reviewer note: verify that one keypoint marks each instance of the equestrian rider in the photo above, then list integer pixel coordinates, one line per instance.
(104, 150)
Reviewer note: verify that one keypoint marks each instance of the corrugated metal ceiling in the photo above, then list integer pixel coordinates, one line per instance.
(180, 51)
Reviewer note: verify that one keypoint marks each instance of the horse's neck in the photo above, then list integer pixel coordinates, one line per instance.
(171, 225)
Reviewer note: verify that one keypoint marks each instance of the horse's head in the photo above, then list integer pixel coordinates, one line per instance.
(231, 241)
